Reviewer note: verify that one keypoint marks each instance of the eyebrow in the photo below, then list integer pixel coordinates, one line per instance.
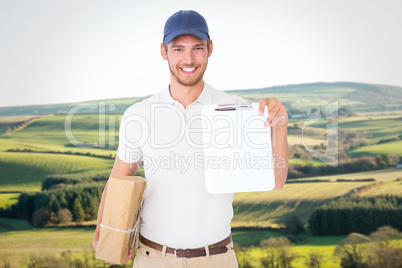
(196, 45)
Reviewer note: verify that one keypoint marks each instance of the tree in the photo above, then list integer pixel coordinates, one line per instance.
(40, 217)
(278, 253)
(90, 205)
(242, 256)
(384, 235)
(78, 212)
(54, 204)
(293, 226)
(62, 201)
(314, 259)
(352, 251)
(385, 251)
(64, 216)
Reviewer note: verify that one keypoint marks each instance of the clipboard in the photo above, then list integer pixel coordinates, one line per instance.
(238, 150)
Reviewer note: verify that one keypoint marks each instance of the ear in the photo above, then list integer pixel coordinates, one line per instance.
(163, 52)
(211, 47)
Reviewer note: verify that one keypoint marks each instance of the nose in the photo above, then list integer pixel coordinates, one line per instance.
(188, 57)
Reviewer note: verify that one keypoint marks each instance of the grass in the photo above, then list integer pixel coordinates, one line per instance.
(258, 208)
(26, 171)
(379, 175)
(369, 117)
(92, 106)
(78, 241)
(392, 187)
(270, 208)
(13, 121)
(16, 119)
(47, 240)
(313, 162)
(394, 147)
(248, 238)
(357, 96)
(324, 245)
(300, 199)
(380, 127)
(8, 199)
(7, 225)
(310, 141)
(49, 134)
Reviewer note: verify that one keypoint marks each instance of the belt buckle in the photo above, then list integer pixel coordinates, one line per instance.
(187, 251)
(175, 251)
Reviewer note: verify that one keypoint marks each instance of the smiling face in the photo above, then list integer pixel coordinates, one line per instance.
(187, 57)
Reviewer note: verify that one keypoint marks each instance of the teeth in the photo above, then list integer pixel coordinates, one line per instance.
(187, 70)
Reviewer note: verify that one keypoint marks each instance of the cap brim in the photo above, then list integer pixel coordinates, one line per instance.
(175, 34)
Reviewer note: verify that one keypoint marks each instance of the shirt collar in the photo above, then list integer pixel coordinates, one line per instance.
(204, 98)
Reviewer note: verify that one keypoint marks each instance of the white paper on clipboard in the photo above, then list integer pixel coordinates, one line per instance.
(238, 157)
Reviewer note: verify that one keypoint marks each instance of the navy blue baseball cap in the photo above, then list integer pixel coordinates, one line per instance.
(185, 22)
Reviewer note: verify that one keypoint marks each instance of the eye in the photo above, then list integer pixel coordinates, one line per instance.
(199, 48)
(178, 49)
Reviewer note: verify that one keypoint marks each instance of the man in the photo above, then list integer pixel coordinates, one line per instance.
(182, 224)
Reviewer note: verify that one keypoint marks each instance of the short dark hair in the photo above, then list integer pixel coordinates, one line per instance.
(166, 48)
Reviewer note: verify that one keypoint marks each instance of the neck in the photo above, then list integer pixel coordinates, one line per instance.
(185, 94)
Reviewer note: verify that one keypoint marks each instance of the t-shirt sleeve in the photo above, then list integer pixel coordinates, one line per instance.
(131, 137)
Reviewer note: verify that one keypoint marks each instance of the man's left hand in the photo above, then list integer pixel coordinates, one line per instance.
(277, 114)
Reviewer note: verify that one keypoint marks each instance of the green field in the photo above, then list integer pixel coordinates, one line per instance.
(325, 245)
(379, 127)
(7, 225)
(88, 107)
(251, 209)
(302, 162)
(361, 97)
(9, 122)
(393, 187)
(18, 246)
(54, 241)
(307, 96)
(78, 241)
(394, 147)
(49, 134)
(308, 140)
(369, 117)
(27, 171)
(7, 199)
(300, 199)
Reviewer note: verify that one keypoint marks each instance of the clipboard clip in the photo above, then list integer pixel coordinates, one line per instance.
(232, 107)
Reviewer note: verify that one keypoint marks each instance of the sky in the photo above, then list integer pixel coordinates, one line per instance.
(78, 50)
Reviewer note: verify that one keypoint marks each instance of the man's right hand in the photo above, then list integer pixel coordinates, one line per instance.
(120, 168)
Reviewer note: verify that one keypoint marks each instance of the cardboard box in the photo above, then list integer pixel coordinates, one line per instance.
(122, 205)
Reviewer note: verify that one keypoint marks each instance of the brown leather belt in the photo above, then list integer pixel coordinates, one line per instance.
(214, 249)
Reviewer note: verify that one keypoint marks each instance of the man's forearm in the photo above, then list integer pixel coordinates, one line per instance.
(279, 139)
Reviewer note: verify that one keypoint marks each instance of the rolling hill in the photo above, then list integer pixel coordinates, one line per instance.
(360, 97)
(26, 171)
(300, 199)
(50, 134)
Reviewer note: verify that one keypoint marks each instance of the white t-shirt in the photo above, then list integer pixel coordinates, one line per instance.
(177, 209)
